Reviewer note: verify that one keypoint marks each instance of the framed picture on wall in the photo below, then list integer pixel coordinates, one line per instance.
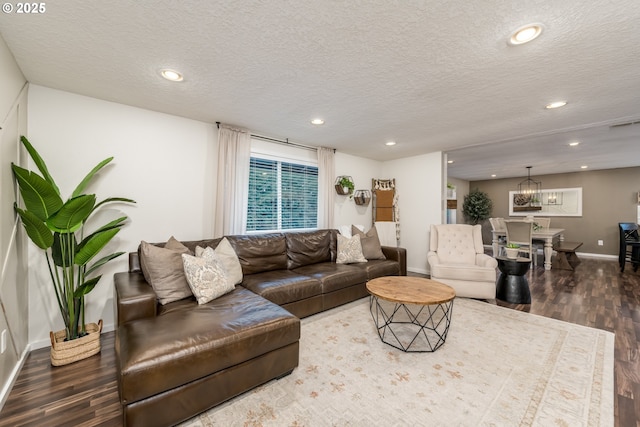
(550, 202)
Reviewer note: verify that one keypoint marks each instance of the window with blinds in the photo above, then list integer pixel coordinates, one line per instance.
(282, 195)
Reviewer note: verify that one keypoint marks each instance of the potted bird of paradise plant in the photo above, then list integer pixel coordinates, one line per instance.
(58, 228)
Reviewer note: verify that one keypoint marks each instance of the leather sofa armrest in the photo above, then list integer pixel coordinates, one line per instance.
(135, 298)
(397, 254)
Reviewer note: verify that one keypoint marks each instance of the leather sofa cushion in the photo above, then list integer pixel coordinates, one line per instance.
(308, 248)
(181, 346)
(259, 253)
(334, 276)
(212, 243)
(282, 286)
(379, 268)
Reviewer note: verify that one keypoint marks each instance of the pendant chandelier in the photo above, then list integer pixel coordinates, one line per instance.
(529, 186)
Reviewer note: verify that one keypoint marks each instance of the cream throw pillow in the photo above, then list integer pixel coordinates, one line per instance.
(349, 250)
(225, 253)
(206, 276)
(163, 269)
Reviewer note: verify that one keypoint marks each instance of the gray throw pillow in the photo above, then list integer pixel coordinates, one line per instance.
(371, 248)
(163, 269)
(225, 253)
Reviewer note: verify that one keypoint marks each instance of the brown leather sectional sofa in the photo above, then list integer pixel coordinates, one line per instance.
(179, 359)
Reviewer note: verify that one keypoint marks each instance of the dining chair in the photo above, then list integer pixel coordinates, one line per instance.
(520, 233)
(629, 245)
(498, 224)
(538, 224)
(542, 222)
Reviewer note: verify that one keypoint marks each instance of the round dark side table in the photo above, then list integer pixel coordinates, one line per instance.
(512, 285)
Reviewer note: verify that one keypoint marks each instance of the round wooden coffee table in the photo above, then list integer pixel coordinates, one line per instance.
(412, 314)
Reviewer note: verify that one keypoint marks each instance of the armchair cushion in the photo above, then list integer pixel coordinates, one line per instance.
(454, 244)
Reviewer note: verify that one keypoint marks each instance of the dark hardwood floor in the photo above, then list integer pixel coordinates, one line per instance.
(596, 295)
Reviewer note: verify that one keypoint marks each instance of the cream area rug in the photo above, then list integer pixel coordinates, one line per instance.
(498, 367)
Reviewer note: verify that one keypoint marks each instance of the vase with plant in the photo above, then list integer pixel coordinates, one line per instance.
(512, 250)
(58, 228)
(345, 185)
(477, 206)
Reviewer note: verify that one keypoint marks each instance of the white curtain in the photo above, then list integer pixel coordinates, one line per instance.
(234, 155)
(326, 191)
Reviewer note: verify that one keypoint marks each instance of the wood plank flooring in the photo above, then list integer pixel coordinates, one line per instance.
(596, 294)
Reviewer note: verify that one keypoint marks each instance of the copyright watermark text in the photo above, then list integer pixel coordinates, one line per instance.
(31, 8)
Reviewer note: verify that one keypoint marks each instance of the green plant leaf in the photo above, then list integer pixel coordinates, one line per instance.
(116, 223)
(102, 261)
(86, 287)
(113, 199)
(36, 229)
(83, 184)
(477, 206)
(91, 246)
(40, 164)
(60, 246)
(39, 196)
(72, 214)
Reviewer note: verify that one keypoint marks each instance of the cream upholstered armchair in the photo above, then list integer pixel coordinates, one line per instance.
(456, 258)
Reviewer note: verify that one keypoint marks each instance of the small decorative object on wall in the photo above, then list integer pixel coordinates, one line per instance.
(385, 202)
(362, 197)
(344, 185)
(555, 202)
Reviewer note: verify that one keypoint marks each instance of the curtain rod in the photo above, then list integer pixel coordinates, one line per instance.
(281, 141)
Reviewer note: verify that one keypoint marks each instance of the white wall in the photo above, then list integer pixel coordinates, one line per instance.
(362, 171)
(161, 161)
(419, 184)
(13, 278)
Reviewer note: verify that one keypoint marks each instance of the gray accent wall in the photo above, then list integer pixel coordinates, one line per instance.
(608, 197)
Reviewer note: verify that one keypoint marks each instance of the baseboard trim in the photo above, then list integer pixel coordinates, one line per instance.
(4, 394)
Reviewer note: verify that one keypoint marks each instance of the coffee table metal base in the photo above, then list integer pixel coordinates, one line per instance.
(411, 327)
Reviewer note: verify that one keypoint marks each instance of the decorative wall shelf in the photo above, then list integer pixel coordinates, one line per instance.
(362, 197)
(341, 189)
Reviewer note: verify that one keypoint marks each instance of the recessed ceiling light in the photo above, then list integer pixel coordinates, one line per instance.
(556, 104)
(317, 122)
(574, 144)
(584, 167)
(493, 175)
(525, 34)
(390, 143)
(450, 161)
(172, 75)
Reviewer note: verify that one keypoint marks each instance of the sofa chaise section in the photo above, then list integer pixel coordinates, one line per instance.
(193, 357)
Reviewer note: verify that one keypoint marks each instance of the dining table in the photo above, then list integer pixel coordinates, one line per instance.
(547, 235)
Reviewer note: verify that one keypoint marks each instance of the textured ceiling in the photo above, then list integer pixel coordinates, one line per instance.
(429, 74)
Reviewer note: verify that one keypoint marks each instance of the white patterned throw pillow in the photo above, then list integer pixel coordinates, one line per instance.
(349, 250)
(206, 276)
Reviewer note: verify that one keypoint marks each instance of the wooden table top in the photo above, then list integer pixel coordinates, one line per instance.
(410, 290)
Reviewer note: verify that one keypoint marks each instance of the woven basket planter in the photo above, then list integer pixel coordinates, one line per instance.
(65, 352)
